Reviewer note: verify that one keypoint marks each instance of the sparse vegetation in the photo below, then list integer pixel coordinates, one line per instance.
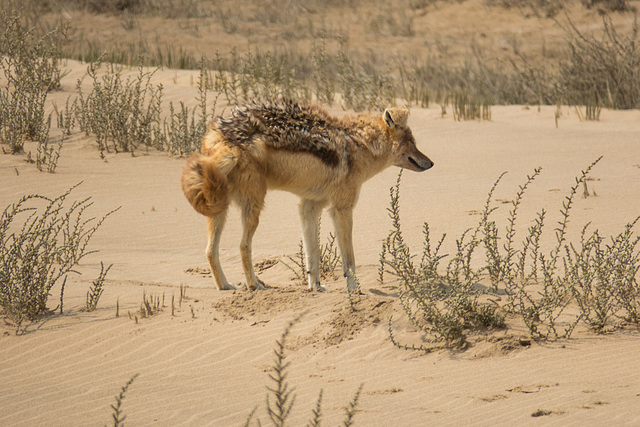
(592, 71)
(329, 259)
(41, 241)
(121, 115)
(30, 68)
(601, 279)
(150, 305)
(281, 397)
(126, 115)
(602, 71)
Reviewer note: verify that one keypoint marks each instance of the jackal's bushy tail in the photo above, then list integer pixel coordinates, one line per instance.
(205, 185)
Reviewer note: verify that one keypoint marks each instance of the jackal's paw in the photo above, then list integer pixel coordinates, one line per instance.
(318, 287)
(259, 286)
(228, 287)
(352, 281)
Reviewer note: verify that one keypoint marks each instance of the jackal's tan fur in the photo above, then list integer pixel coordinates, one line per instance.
(301, 149)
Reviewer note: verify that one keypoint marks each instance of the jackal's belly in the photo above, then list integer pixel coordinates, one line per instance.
(302, 174)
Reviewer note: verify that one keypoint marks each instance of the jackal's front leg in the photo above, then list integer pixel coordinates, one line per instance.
(343, 221)
(310, 211)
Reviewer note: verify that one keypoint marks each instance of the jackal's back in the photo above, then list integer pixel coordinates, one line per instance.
(287, 125)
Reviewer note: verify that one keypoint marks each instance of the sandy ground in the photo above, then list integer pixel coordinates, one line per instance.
(208, 364)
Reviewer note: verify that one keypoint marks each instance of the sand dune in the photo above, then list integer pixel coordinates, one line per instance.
(208, 363)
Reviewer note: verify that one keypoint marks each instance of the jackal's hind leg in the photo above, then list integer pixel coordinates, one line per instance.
(215, 225)
(310, 211)
(343, 221)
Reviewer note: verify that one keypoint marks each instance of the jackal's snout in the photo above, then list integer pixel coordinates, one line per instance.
(420, 163)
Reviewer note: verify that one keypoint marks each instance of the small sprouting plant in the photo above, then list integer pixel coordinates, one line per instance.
(280, 395)
(96, 289)
(352, 408)
(118, 415)
(150, 305)
(329, 259)
(279, 408)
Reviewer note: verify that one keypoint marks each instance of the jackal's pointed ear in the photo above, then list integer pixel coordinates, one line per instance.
(396, 117)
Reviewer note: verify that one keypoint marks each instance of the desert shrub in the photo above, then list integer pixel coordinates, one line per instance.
(31, 69)
(125, 115)
(608, 5)
(363, 87)
(600, 278)
(441, 306)
(542, 310)
(121, 114)
(546, 8)
(606, 69)
(603, 276)
(41, 241)
(182, 133)
(269, 75)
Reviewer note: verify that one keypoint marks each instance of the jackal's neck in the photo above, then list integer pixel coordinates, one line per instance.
(372, 145)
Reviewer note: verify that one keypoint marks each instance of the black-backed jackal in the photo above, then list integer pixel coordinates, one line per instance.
(297, 148)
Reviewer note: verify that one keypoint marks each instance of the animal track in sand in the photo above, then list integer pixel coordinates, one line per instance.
(494, 398)
(198, 271)
(531, 388)
(392, 390)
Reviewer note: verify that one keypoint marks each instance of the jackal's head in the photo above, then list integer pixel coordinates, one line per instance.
(406, 154)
